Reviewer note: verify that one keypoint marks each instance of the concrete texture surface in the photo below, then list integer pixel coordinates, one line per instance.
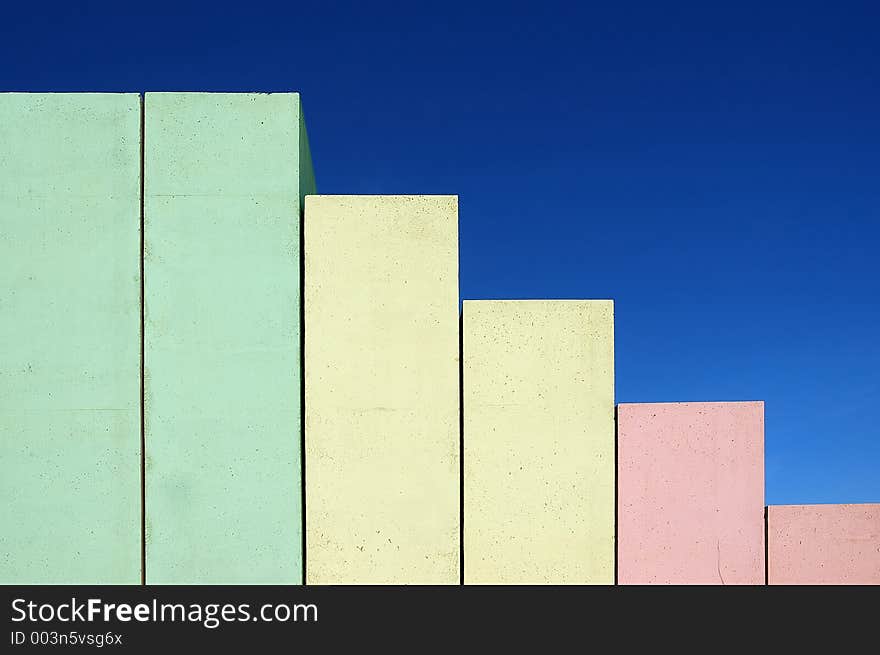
(538, 442)
(823, 544)
(690, 493)
(224, 178)
(382, 389)
(70, 437)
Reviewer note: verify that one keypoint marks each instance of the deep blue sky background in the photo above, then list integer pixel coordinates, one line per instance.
(713, 167)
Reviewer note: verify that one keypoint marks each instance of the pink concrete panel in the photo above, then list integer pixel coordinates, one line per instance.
(690, 493)
(823, 544)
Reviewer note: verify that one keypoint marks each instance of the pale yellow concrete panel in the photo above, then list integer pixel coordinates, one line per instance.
(381, 389)
(538, 442)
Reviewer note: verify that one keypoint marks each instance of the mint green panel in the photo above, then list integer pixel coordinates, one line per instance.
(70, 382)
(222, 337)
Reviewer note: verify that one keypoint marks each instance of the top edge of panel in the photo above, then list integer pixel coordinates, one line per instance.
(223, 93)
(486, 301)
(69, 93)
(823, 506)
(692, 402)
(354, 196)
(137, 94)
(96, 95)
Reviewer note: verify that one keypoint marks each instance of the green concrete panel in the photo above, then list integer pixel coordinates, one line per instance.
(382, 394)
(224, 178)
(70, 382)
(538, 441)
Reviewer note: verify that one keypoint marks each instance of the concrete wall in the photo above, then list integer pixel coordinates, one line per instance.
(538, 442)
(222, 337)
(226, 179)
(691, 493)
(382, 390)
(823, 544)
(70, 434)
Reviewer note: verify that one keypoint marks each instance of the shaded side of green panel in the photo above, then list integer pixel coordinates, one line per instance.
(306, 170)
(70, 339)
(222, 338)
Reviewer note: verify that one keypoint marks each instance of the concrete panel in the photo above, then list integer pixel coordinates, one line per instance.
(70, 383)
(538, 442)
(224, 176)
(691, 493)
(382, 389)
(823, 544)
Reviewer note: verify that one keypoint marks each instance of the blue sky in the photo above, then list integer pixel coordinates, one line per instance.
(713, 167)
